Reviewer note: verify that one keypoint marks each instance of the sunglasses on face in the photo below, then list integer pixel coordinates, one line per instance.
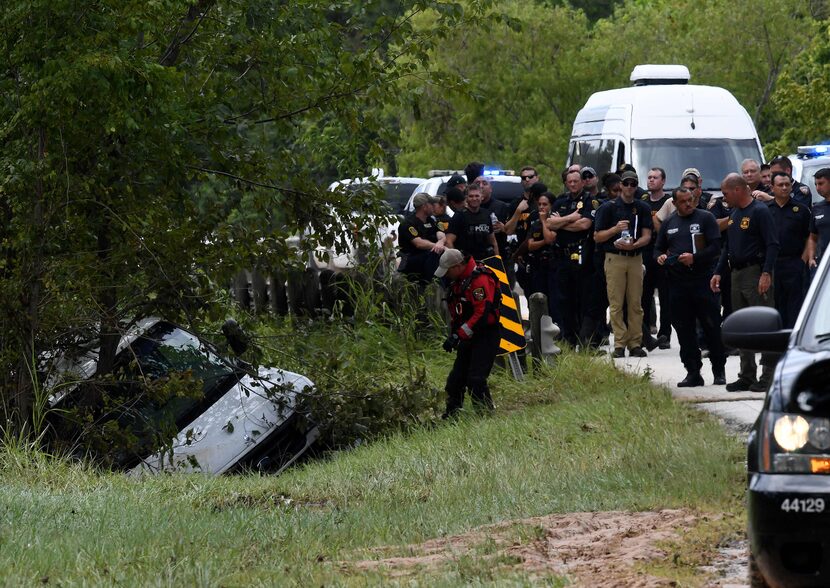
(530, 177)
(630, 183)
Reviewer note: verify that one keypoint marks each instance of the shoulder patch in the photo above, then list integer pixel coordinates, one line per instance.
(595, 204)
(479, 294)
(804, 190)
(413, 231)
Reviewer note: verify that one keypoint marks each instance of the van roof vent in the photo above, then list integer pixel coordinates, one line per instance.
(659, 75)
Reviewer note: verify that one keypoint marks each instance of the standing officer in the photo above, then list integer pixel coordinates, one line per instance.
(521, 213)
(793, 223)
(655, 276)
(800, 192)
(750, 250)
(623, 229)
(687, 245)
(820, 220)
(420, 241)
(471, 230)
(572, 222)
(474, 296)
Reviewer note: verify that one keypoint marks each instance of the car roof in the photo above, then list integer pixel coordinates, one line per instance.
(435, 187)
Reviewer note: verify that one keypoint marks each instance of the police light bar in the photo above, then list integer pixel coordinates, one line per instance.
(435, 173)
(813, 150)
(498, 172)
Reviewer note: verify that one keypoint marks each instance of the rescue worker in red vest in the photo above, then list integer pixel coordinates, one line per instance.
(473, 297)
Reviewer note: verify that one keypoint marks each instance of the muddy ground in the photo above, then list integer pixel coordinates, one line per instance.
(590, 549)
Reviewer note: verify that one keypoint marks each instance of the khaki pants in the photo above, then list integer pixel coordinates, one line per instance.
(624, 278)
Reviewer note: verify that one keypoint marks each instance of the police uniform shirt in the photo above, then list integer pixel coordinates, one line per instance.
(471, 230)
(793, 223)
(565, 205)
(697, 234)
(525, 219)
(655, 206)
(501, 210)
(802, 194)
(638, 215)
(442, 222)
(751, 238)
(820, 224)
(535, 233)
(413, 227)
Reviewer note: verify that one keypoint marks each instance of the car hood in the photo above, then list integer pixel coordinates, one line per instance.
(245, 416)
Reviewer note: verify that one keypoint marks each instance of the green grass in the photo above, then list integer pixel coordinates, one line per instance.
(580, 437)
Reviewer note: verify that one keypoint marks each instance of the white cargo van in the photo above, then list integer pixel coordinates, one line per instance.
(663, 121)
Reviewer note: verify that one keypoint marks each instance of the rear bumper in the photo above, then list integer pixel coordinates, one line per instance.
(791, 545)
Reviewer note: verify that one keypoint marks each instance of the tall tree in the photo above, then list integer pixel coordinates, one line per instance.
(149, 148)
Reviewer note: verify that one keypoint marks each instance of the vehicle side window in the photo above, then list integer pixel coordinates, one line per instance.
(596, 153)
(620, 154)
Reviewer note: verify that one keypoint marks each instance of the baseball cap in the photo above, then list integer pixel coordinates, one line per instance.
(449, 258)
(588, 170)
(690, 171)
(455, 180)
(422, 198)
(629, 175)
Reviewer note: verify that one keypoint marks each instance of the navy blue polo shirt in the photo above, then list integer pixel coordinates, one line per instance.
(565, 205)
(698, 234)
(751, 238)
(793, 223)
(637, 213)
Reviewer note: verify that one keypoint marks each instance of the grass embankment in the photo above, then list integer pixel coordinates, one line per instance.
(582, 437)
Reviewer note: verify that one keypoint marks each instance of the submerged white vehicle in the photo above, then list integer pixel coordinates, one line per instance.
(663, 121)
(237, 420)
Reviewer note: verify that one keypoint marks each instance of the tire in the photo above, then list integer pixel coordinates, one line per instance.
(259, 291)
(277, 295)
(754, 575)
(240, 291)
(311, 291)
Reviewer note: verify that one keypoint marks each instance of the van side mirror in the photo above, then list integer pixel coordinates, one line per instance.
(757, 328)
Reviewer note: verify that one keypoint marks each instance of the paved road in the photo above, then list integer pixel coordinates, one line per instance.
(738, 409)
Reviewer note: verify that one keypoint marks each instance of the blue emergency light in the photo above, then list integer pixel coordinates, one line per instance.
(813, 150)
(497, 172)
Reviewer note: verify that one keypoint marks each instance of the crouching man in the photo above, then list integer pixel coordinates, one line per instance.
(473, 298)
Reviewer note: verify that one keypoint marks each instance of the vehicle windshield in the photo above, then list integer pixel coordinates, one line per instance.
(816, 331)
(714, 158)
(395, 193)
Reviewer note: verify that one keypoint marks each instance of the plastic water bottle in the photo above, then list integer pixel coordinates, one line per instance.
(625, 236)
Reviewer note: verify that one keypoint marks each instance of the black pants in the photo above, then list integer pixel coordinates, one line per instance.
(693, 301)
(655, 278)
(420, 266)
(542, 279)
(789, 276)
(570, 280)
(594, 324)
(473, 361)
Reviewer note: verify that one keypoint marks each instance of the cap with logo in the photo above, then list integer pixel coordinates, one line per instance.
(690, 171)
(629, 175)
(455, 180)
(588, 170)
(450, 258)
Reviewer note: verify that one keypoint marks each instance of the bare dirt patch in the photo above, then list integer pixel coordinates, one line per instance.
(591, 549)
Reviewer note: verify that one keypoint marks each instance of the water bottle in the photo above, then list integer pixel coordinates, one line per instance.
(625, 236)
(493, 219)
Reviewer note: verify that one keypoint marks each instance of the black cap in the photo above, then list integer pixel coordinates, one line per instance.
(454, 181)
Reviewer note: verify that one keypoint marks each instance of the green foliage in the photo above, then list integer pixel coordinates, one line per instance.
(152, 149)
(515, 82)
(534, 457)
(803, 98)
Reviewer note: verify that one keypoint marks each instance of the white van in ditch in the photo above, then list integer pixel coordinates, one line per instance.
(663, 121)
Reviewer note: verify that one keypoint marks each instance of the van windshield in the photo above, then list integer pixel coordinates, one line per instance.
(715, 158)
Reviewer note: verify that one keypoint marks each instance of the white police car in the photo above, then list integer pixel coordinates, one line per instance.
(806, 162)
(506, 185)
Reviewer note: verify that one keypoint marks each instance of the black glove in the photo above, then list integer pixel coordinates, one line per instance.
(451, 343)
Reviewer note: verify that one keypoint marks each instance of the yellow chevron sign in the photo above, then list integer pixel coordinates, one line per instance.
(512, 333)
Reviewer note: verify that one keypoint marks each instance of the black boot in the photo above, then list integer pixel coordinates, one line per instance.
(720, 376)
(691, 380)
